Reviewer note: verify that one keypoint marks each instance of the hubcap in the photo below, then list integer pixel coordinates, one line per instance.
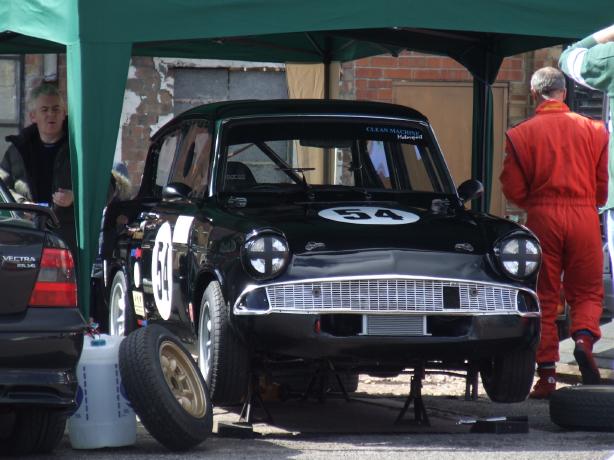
(117, 311)
(181, 378)
(204, 346)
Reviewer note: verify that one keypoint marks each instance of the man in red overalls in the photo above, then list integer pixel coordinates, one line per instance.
(556, 169)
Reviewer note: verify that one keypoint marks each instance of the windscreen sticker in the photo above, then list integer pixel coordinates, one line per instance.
(369, 215)
(402, 134)
(162, 270)
(181, 233)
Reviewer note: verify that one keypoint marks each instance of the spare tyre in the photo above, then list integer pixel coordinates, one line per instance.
(166, 388)
(583, 407)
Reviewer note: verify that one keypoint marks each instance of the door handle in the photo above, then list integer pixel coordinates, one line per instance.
(148, 215)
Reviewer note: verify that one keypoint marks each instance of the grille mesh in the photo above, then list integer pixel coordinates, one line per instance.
(388, 295)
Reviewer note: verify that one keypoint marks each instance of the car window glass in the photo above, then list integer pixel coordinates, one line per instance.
(419, 172)
(344, 153)
(377, 154)
(192, 164)
(165, 158)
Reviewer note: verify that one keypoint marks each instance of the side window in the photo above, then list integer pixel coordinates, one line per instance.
(166, 155)
(192, 165)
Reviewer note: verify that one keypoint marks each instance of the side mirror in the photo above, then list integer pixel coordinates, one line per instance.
(176, 190)
(470, 189)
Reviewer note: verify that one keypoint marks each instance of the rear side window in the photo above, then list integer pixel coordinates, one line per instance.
(191, 167)
(166, 155)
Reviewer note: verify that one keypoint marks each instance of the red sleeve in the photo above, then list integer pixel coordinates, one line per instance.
(602, 175)
(513, 181)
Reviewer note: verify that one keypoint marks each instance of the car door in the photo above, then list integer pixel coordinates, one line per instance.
(168, 223)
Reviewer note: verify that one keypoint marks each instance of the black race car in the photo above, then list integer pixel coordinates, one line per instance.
(41, 329)
(319, 234)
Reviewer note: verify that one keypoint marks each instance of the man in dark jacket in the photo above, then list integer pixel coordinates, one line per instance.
(36, 167)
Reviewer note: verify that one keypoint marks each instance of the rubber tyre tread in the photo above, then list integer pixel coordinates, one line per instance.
(152, 400)
(507, 378)
(52, 433)
(229, 373)
(34, 431)
(583, 407)
(130, 323)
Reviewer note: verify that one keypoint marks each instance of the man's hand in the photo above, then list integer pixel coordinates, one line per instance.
(605, 35)
(63, 198)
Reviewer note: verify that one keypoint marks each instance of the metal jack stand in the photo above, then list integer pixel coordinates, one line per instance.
(321, 376)
(415, 395)
(471, 383)
(253, 394)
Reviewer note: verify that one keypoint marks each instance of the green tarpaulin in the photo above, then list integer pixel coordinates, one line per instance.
(100, 37)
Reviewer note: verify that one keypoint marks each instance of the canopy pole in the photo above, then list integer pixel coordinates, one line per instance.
(484, 74)
(485, 150)
(96, 81)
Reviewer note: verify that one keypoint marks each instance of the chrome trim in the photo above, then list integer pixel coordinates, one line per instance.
(238, 310)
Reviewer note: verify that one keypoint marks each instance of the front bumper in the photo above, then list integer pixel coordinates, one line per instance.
(450, 339)
(38, 357)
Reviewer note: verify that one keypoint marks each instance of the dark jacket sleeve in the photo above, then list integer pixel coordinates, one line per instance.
(13, 173)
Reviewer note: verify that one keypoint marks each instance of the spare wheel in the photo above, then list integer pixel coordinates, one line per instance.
(583, 407)
(165, 387)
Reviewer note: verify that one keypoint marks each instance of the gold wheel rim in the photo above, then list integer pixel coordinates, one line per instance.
(181, 378)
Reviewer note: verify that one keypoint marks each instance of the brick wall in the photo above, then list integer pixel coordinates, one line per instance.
(373, 78)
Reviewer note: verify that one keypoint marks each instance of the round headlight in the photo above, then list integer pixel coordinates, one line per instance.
(519, 257)
(266, 255)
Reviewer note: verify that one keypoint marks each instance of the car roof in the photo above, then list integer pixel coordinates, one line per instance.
(231, 109)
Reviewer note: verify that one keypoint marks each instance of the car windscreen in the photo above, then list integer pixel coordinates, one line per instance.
(374, 154)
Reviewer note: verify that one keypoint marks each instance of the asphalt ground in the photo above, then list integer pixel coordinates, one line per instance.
(365, 427)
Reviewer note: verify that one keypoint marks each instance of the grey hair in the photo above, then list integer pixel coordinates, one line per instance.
(44, 89)
(547, 80)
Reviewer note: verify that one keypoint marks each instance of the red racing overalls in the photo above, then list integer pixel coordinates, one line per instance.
(556, 169)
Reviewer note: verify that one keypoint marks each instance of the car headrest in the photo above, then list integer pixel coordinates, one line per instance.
(238, 176)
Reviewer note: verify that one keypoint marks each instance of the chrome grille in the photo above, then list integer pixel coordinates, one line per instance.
(388, 295)
(394, 325)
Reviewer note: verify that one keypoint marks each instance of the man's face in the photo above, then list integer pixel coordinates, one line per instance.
(48, 114)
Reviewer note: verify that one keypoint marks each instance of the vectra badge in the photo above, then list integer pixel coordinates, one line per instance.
(19, 261)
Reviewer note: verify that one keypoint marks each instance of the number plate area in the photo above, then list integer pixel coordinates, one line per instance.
(139, 304)
(394, 325)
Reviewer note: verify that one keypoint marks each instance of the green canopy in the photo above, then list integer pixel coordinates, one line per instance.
(100, 37)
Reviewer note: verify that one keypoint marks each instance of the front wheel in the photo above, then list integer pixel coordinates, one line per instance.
(32, 431)
(223, 358)
(507, 378)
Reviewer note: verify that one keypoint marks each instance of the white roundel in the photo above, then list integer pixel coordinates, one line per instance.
(162, 270)
(369, 215)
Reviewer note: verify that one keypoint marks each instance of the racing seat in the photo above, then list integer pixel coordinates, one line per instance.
(238, 176)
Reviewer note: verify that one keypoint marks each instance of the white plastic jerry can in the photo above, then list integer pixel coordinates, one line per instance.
(104, 417)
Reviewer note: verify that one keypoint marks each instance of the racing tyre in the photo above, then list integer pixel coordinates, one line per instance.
(33, 431)
(507, 378)
(223, 358)
(583, 407)
(165, 387)
(122, 320)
